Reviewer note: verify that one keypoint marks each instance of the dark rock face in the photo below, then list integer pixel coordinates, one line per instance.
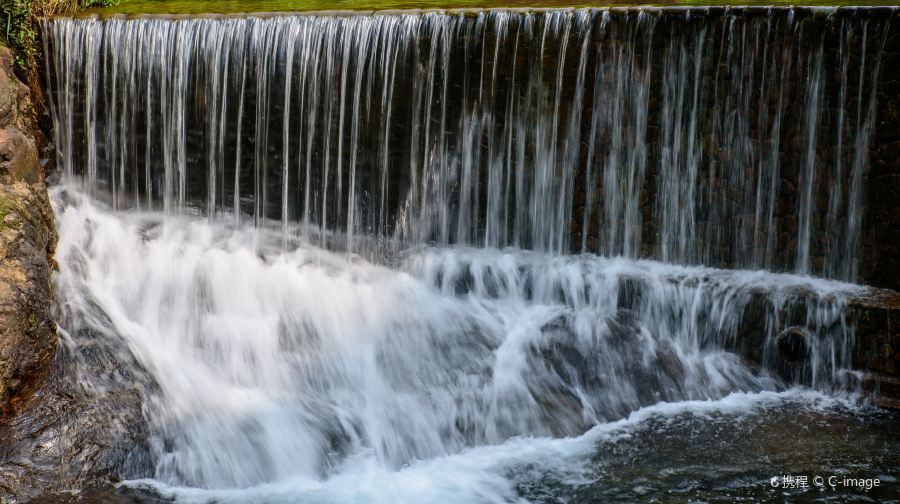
(880, 253)
(877, 346)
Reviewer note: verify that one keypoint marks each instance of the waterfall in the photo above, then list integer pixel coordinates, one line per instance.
(436, 249)
(640, 133)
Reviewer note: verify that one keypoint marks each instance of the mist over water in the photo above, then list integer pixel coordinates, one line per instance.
(403, 258)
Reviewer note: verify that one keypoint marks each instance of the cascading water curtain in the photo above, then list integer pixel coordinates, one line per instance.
(644, 133)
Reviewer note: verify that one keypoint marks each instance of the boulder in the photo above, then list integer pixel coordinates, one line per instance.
(18, 157)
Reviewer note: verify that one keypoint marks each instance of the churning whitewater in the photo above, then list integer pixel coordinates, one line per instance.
(435, 257)
(271, 366)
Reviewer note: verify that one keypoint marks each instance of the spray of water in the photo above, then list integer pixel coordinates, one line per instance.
(269, 364)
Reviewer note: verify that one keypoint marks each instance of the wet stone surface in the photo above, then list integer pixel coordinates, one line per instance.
(721, 458)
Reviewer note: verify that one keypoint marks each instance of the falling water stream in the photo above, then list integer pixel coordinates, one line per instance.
(433, 257)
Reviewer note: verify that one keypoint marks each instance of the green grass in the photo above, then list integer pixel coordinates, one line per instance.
(238, 6)
(18, 27)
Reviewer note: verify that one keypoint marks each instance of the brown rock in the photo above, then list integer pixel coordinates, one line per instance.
(18, 157)
(15, 102)
(27, 239)
(8, 101)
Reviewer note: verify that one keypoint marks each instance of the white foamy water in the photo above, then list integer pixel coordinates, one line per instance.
(304, 374)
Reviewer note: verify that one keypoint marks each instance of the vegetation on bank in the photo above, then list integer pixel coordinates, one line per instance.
(18, 23)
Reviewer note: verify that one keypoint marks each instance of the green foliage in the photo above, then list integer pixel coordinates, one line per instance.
(18, 23)
(17, 30)
(5, 208)
(98, 3)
